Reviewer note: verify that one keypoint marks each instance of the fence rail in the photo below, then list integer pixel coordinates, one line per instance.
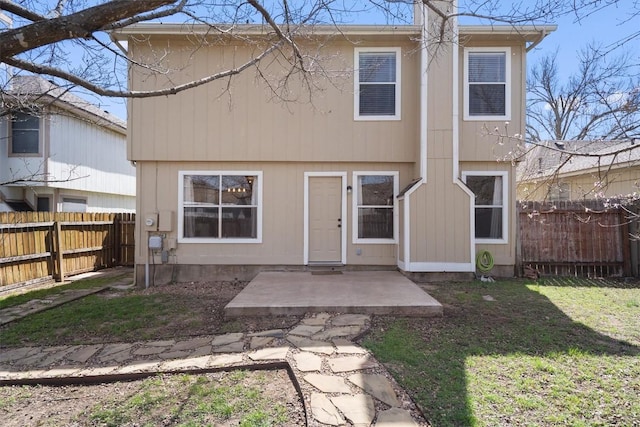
(581, 239)
(39, 246)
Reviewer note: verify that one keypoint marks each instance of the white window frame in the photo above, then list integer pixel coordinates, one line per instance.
(356, 82)
(68, 198)
(11, 153)
(354, 209)
(505, 204)
(182, 239)
(507, 83)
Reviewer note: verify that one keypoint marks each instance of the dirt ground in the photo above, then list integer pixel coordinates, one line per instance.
(202, 304)
(165, 400)
(205, 302)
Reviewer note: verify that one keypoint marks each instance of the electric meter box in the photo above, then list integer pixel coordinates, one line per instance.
(155, 242)
(151, 221)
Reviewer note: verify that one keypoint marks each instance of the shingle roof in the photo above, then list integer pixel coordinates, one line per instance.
(37, 89)
(544, 159)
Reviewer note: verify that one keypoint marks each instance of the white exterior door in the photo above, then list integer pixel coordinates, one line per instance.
(325, 219)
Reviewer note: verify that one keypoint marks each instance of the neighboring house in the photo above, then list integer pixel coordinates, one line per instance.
(388, 166)
(579, 170)
(60, 153)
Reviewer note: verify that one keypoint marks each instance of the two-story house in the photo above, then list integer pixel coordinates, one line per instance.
(60, 153)
(388, 165)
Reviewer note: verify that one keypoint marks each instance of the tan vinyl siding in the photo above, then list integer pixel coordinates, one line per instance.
(475, 143)
(247, 122)
(440, 216)
(283, 212)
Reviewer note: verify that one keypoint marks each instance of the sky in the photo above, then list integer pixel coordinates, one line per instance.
(604, 27)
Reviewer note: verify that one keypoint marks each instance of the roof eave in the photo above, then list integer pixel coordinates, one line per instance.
(528, 32)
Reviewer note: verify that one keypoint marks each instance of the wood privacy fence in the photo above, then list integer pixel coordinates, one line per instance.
(40, 246)
(577, 238)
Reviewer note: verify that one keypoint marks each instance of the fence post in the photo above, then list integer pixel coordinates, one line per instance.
(59, 257)
(626, 243)
(519, 267)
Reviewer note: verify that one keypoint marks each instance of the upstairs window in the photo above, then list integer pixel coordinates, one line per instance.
(25, 134)
(487, 85)
(377, 84)
(220, 207)
(490, 189)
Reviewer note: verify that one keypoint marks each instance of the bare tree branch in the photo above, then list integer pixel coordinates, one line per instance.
(78, 25)
(18, 10)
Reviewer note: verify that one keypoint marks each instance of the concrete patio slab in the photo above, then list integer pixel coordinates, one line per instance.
(363, 292)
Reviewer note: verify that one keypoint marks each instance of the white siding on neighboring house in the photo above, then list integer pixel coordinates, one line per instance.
(95, 202)
(74, 152)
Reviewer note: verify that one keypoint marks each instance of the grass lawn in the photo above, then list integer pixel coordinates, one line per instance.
(539, 354)
(17, 299)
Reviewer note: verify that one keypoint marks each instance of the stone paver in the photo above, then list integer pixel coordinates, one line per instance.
(226, 360)
(201, 351)
(341, 331)
(16, 354)
(272, 353)
(139, 366)
(117, 357)
(226, 339)
(191, 344)
(259, 342)
(324, 411)
(351, 363)
(318, 319)
(306, 330)
(395, 417)
(197, 362)
(307, 362)
(344, 346)
(359, 408)
(306, 344)
(147, 351)
(328, 383)
(174, 354)
(376, 385)
(234, 347)
(275, 333)
(110, 349)
(84, 353)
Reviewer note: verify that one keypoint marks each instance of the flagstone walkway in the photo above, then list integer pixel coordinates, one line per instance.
(342, 384)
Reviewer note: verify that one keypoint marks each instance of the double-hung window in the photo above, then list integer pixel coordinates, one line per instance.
(25, 134)
(487, 83)
(220, 207)
(377, 84)
(375, 217)
(490, 189)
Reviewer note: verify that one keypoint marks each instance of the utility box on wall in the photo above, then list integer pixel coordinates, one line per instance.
(150, 221)
(165, 221)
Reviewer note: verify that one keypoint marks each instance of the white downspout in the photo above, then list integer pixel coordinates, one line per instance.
(424, 80)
